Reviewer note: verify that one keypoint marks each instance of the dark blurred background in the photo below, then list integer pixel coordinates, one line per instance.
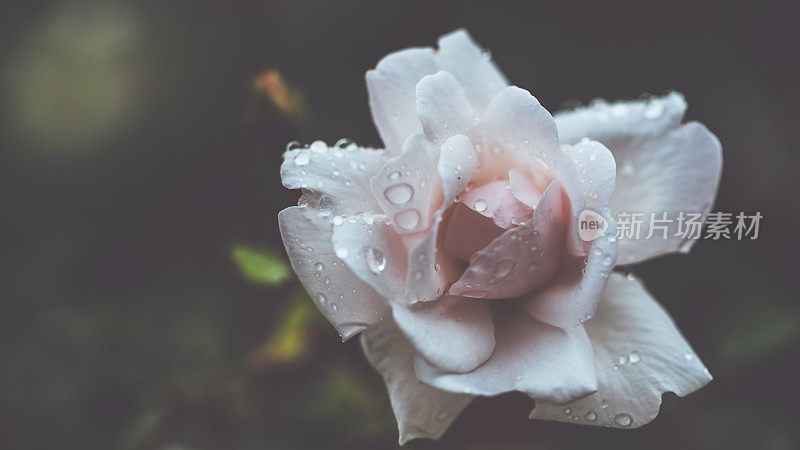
(146, 301)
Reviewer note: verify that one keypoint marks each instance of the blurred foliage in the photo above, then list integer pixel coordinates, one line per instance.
(288, 99)
(757, 333)
(259, 266)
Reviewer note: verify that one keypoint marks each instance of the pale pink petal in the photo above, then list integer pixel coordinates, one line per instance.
(455, 334)
(393, 96)
(521, 259)
(572, 296)
(548, 363)
(442, 108)
(570, 178)
(430, 271)
(661, 165)
(517, 132)
(597, 171)
(347, 302)
(421, 411)
(403, 187)
(471, 66)
(523, 188)
(340, 176)
(639, 355)
(678, 173)
(375, 252)
(496, 201)
(468, 231)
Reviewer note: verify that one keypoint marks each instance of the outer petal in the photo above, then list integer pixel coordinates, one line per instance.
(442, 108)
(374, 252)
(339, 175)
(402, 187)
(347, 302)
(471, 66)
(547, 363)
(639, 355)
(661, 166)
(521, 259)
(430, 271)
(392, 94)
(677, 173)
(421, 411)
(453, 333)
(517, 132)
(572, 298)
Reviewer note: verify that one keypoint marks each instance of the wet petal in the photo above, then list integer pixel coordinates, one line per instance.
(392, 88)
(523, 188)
(455, 334)
(442, 108)
(548, 363)
(403, 187)
(431, 270)
(471, 66)
(521, 259)
(597, 171)
(496, 201)
(338, 175)
(421, 411)
(639, 354)
(468, 231)
(347, 302)
(374, 251)
(572, 297)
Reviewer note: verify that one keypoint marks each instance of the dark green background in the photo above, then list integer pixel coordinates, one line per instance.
(136, 154)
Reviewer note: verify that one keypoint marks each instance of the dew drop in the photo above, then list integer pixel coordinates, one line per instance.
(634, 357)
(319, 147)
(322, 298)
(688, 356)
(319, 266)
(325, 206)
(302, 202)
(591, 416)
(342, 252)
(623, 420)
(604, 404)
(567, 411)
(504, 267)
(376, 261)
(292, 146)
(399, 194)
(407, 219)
(338, 220)
(394, 175)
(480, 205)
(302, 158)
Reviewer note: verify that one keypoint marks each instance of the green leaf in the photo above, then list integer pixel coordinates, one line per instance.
(265, 267)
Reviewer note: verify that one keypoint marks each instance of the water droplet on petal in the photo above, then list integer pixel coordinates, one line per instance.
(480, 205)
(399, 193)
(376, 261)
(302, 158)
(319, 147)
(634, 357)
(342, 252)
(322, 298)
(688, 356)
(394, 175)
(302, 202)
(319, 266)
(591, 416)
(407, 219)
(623, 420)
(567, 411)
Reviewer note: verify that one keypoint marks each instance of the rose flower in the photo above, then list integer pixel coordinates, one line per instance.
(457, 250)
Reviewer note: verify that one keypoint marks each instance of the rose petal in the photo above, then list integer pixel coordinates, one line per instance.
(517, 132)
(495, 200)
(678, 173)
(661, 165)
(402, 188)
(545, 362)
(572, 297)
(429, 270)
(421, 411)
(521, 259)
(597, 170)
(468, 231)
(523, 188)
(392, 88)
(339, 175)
(639, 354)
(455, 334)
(442, 108)
(347, 302)
(374, 251)
(471, 66)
